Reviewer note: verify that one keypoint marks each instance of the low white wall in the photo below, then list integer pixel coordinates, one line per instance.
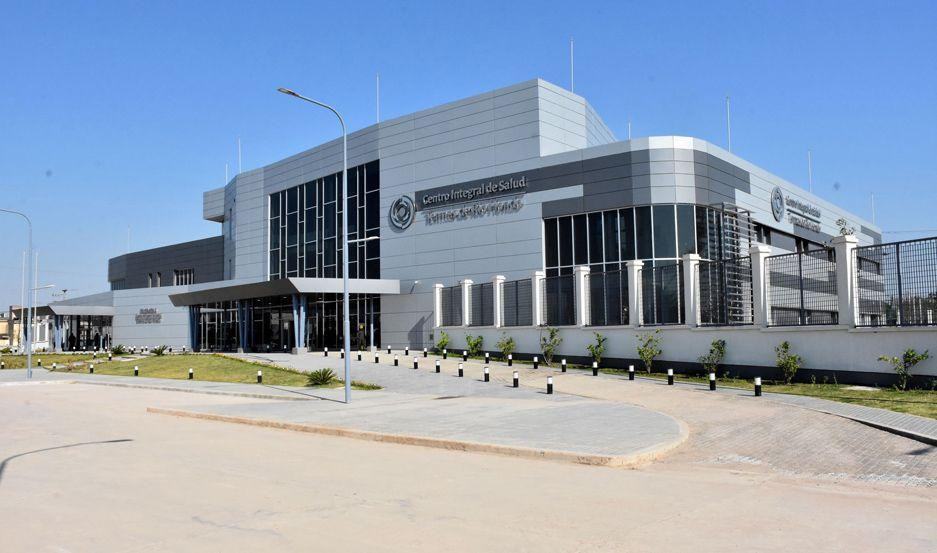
(834, 348)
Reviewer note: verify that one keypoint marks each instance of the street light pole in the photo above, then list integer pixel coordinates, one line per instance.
(345, 308)
(29, 278)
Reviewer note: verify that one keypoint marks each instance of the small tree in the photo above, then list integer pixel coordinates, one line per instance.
(550, 343)
(903, 365)
(597, 349)
(788, 363)
(717, 352)
(474, 345)
(649, 348)
(506, 346)
(443, 342)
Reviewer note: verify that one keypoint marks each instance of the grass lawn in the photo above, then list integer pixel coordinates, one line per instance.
(19, 361)
(214, 368)
(914, 402)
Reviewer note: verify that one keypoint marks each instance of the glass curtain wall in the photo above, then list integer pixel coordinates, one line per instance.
(88, 332)
(306, 225)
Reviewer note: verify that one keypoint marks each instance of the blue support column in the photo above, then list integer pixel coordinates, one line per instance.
(303, 307)
(57, 332)
(242, 326)
(297, 313)
(193, 327)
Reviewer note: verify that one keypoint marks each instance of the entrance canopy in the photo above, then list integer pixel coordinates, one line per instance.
(284, 287)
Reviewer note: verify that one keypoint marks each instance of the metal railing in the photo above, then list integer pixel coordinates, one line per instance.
(452, 306)
(608, 298)
(558, 299)
(896, 283)
(725, 292)
(802, 288)
(662, 294)
(482, 301)
(517, 303)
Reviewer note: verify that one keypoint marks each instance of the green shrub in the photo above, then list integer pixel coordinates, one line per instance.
(506, 346)
(119, 349)
(649, 348)
(597, 349)
(788, 362)
(443, 342)
(321, 377)
(159, 350)
(550, 343)
(903, 365)
(474, 345)
(717, 352)
(363, 385)
(6, 350)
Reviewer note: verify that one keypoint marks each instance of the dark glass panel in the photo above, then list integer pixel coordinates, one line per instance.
(580, 239)
(665, 232)
(275, 204)
(702, 243)
(292, 259)
(274, 233)
(372, 210)
(566, 240)
(550, 242)
(595, 238)
(329, 251)
(292, 202)
(291, 229)
(643, 236)
(330, 184)
(373, 268)
(329, 221)
(610, 222)
(373, 248)
(686, 230)
(626, 233)
(310, 225)
(310, 196)
(373, 176)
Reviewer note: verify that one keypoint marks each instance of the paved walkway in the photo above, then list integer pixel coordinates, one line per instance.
(434, 410)
(728, 428)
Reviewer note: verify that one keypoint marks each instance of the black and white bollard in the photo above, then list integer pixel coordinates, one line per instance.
(376, 360)
(487, 374)
(424, 352)
(464, 355)
(670, 377)
(183, 349)
(712, 381)
(415, 364)
(325, 352)
(170, 349)
(510, 359)
(91, 368)
(53, 366)
(445, 353)
(437, 365)
(487, 358)
(630, 372)
(40, 363)
(341, 353)
(595, 368)
(359, 356)
(396, 361)
(3, 365)
(136, 370)
(406, 351)
(549, 384)
(563, 365)
(191, 374)
(536, 362)
(109, 357)
(461, 372)
(260, 376)
(388, 350)
(757, 386)
(516, 380)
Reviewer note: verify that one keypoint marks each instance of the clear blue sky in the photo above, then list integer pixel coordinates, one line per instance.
(115, 115)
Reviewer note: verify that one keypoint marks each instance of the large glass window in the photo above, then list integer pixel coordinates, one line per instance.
(305, 226)
(566, 241)
(643, 237)
(665, 232)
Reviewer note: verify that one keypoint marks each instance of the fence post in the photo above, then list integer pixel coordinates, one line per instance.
(845, 278)
(497, 299)
(581, 292)
(634, 292)
(437, 305)
(691, 289)
(539, 317)
(467, 302)
(761, 308)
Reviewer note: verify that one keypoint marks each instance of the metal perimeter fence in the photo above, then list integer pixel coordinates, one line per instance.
(896, 283)
(802, 288)
(558, 298)
(482, 300)
(517, 303)
(608, 298)
(662, 294)
(725, 292)
(452, 306)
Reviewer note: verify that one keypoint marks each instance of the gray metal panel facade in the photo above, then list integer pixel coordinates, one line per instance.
(204, 256)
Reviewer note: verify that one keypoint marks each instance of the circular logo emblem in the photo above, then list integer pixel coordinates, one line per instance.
(401, 212)
(777, 204)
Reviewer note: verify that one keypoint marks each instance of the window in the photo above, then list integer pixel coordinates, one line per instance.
(642, 224)
(566, 241)
(665, 232)
(119, 284)
(686, 230)
(182, 277)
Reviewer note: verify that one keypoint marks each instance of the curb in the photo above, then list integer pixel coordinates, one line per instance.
(633, 460)
(193, 391)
